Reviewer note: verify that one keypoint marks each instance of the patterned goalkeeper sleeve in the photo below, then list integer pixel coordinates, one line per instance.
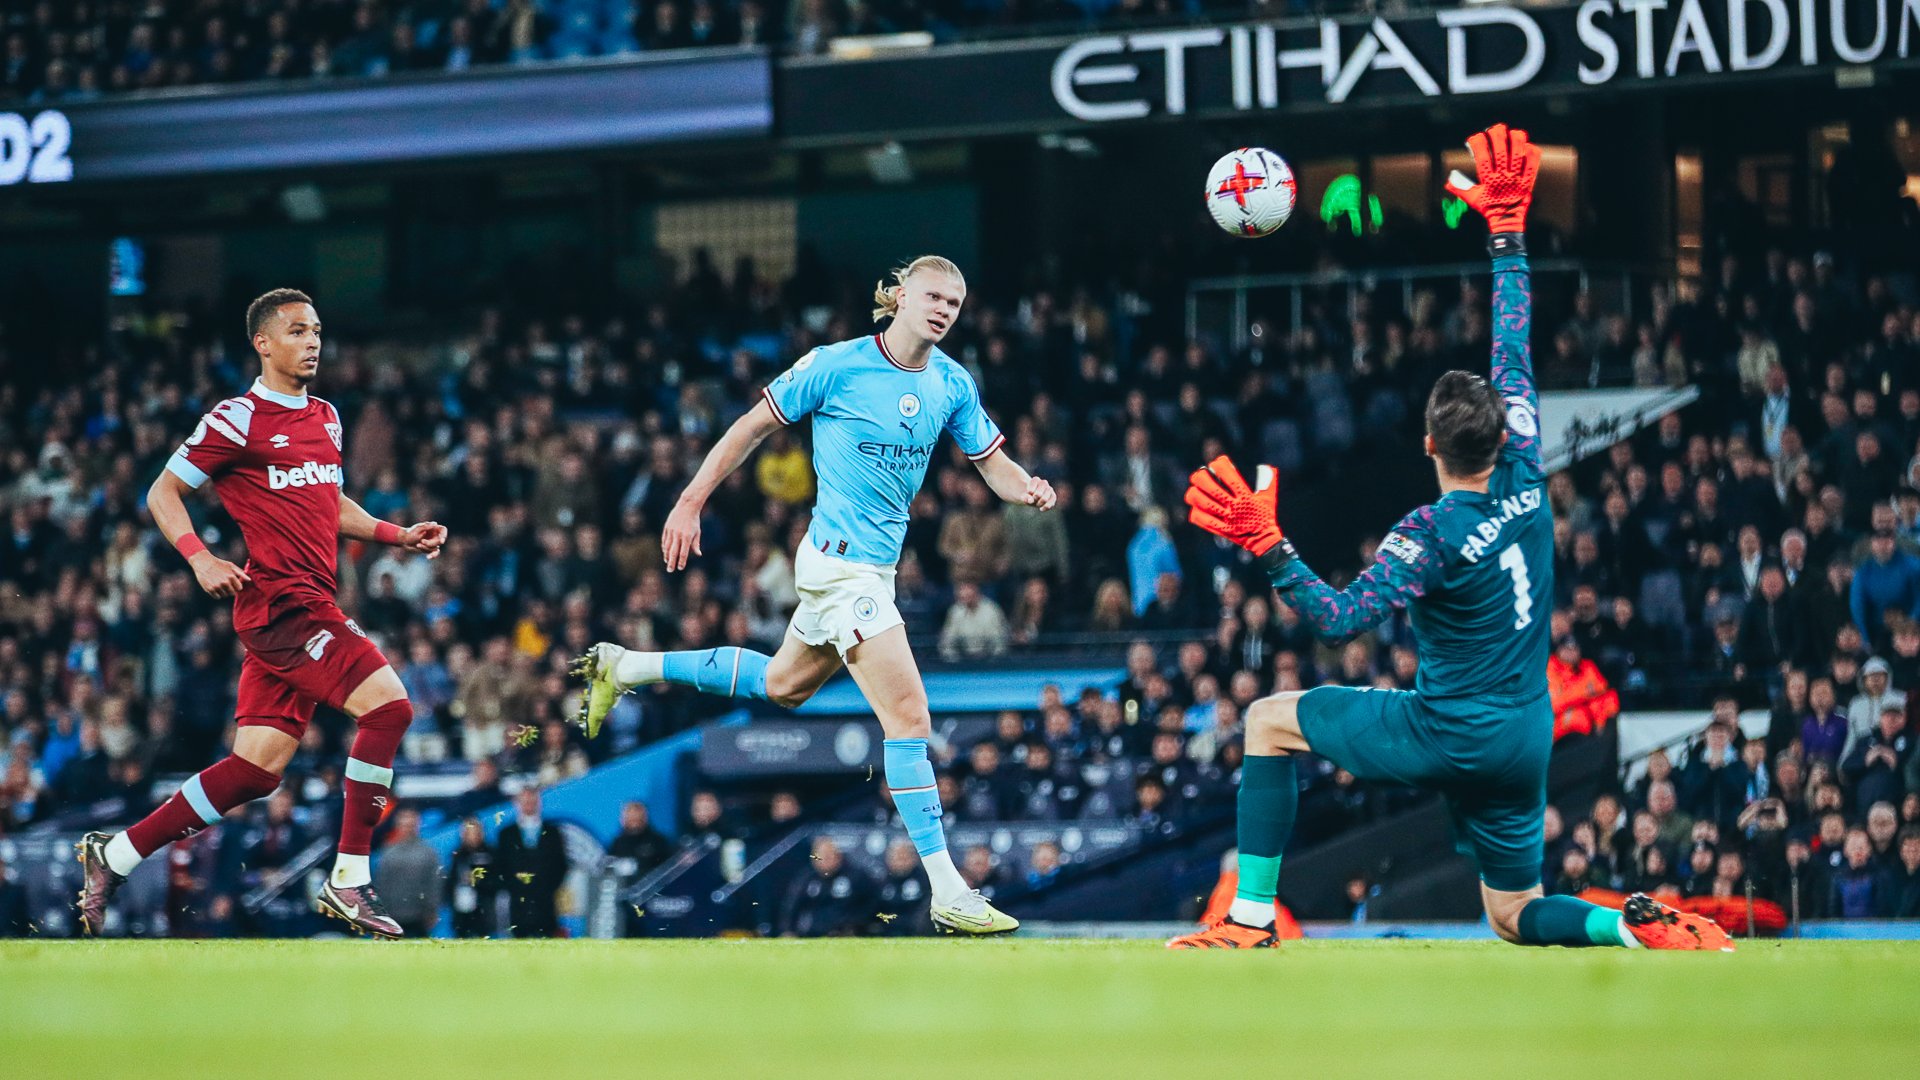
(1406, 566)
(1513, 358)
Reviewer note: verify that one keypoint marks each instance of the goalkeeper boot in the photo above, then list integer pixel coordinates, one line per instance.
(1224, 933)
(359, 907)
(98, 882)
(972, 914)
(600, 666)
(1657, 926)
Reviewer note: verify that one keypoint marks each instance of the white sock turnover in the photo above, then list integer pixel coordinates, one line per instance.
(351, 871)
(1251, 912)
(635, 668)
(121, 857)
(944, 878)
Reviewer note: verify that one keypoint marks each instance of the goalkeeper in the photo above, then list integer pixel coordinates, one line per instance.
(1476, 571)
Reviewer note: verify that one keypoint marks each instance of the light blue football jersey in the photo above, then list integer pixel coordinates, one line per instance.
(875, 427)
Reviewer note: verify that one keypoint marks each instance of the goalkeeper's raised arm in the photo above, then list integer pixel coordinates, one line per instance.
(1508, 163)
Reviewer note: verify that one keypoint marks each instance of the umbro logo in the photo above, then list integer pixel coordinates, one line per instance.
(280, 442)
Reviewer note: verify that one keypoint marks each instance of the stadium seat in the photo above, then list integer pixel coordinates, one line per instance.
(1280, 445)
(570, 47)
(618, 43)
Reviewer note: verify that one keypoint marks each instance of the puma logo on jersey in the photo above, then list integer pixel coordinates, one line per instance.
(308, 475)
(317, 644)
(280, 442)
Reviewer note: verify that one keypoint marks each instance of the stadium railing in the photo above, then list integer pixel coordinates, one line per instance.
(1223, 308)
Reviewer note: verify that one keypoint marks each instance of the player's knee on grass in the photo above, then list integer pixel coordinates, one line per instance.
(1507, 927)
(1503, 910)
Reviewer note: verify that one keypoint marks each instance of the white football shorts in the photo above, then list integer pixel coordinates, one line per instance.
(841, 602)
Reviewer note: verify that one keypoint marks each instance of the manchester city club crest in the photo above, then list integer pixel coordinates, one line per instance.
(864, 609)
(909, 405)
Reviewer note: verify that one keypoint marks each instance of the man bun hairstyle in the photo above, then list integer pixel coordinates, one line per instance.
(1466, 418)
(266, 304)
(886, 305)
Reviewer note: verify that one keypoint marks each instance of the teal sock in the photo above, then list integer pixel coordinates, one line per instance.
(728, 670)
(1563, 920)
(1269, 801)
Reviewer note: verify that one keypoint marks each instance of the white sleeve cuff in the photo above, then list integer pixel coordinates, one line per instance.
(186, 470)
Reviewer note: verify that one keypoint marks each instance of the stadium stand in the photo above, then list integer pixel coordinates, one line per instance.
(1759, 545)
(75, 51)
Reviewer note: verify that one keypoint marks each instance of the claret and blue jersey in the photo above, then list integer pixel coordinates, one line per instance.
(1474, 570)
(876, 425)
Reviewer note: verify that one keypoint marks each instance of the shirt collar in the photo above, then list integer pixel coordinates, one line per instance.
(289, 400)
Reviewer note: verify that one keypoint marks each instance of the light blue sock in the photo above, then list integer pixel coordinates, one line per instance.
(915, 795)
(1565, 920)
(729, 671)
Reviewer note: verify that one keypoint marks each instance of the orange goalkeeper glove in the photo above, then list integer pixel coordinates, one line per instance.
(1507, 164)
(1223, 504)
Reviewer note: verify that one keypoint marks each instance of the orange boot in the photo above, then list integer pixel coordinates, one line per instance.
(1224, 933)
(1657, 926)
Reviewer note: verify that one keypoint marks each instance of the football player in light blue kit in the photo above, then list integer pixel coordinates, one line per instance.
(879, 405)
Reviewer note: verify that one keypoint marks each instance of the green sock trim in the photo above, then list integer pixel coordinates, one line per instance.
(1569, 922)
(1604, 927)
(1259, 878)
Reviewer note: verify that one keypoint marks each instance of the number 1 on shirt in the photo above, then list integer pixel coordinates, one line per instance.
(1515, 563)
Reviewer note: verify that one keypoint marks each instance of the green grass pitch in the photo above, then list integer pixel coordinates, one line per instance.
(949, 1008)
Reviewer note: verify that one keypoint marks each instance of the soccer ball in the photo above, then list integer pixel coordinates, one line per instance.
(1250, 191)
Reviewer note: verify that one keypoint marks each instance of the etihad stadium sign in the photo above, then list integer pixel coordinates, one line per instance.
(1612, 39)
(1304, 65)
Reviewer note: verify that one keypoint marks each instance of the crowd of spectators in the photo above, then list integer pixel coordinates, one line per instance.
(1164, 752)
(79, 49)
(1762, 541)
(1736, 818)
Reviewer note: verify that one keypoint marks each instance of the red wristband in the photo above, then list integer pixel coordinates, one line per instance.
(386, 532)
(188, 545)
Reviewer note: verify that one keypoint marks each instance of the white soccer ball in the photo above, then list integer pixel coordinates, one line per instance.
(1250, 191)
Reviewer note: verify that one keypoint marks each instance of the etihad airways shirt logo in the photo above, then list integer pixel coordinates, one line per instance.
(895, 457)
